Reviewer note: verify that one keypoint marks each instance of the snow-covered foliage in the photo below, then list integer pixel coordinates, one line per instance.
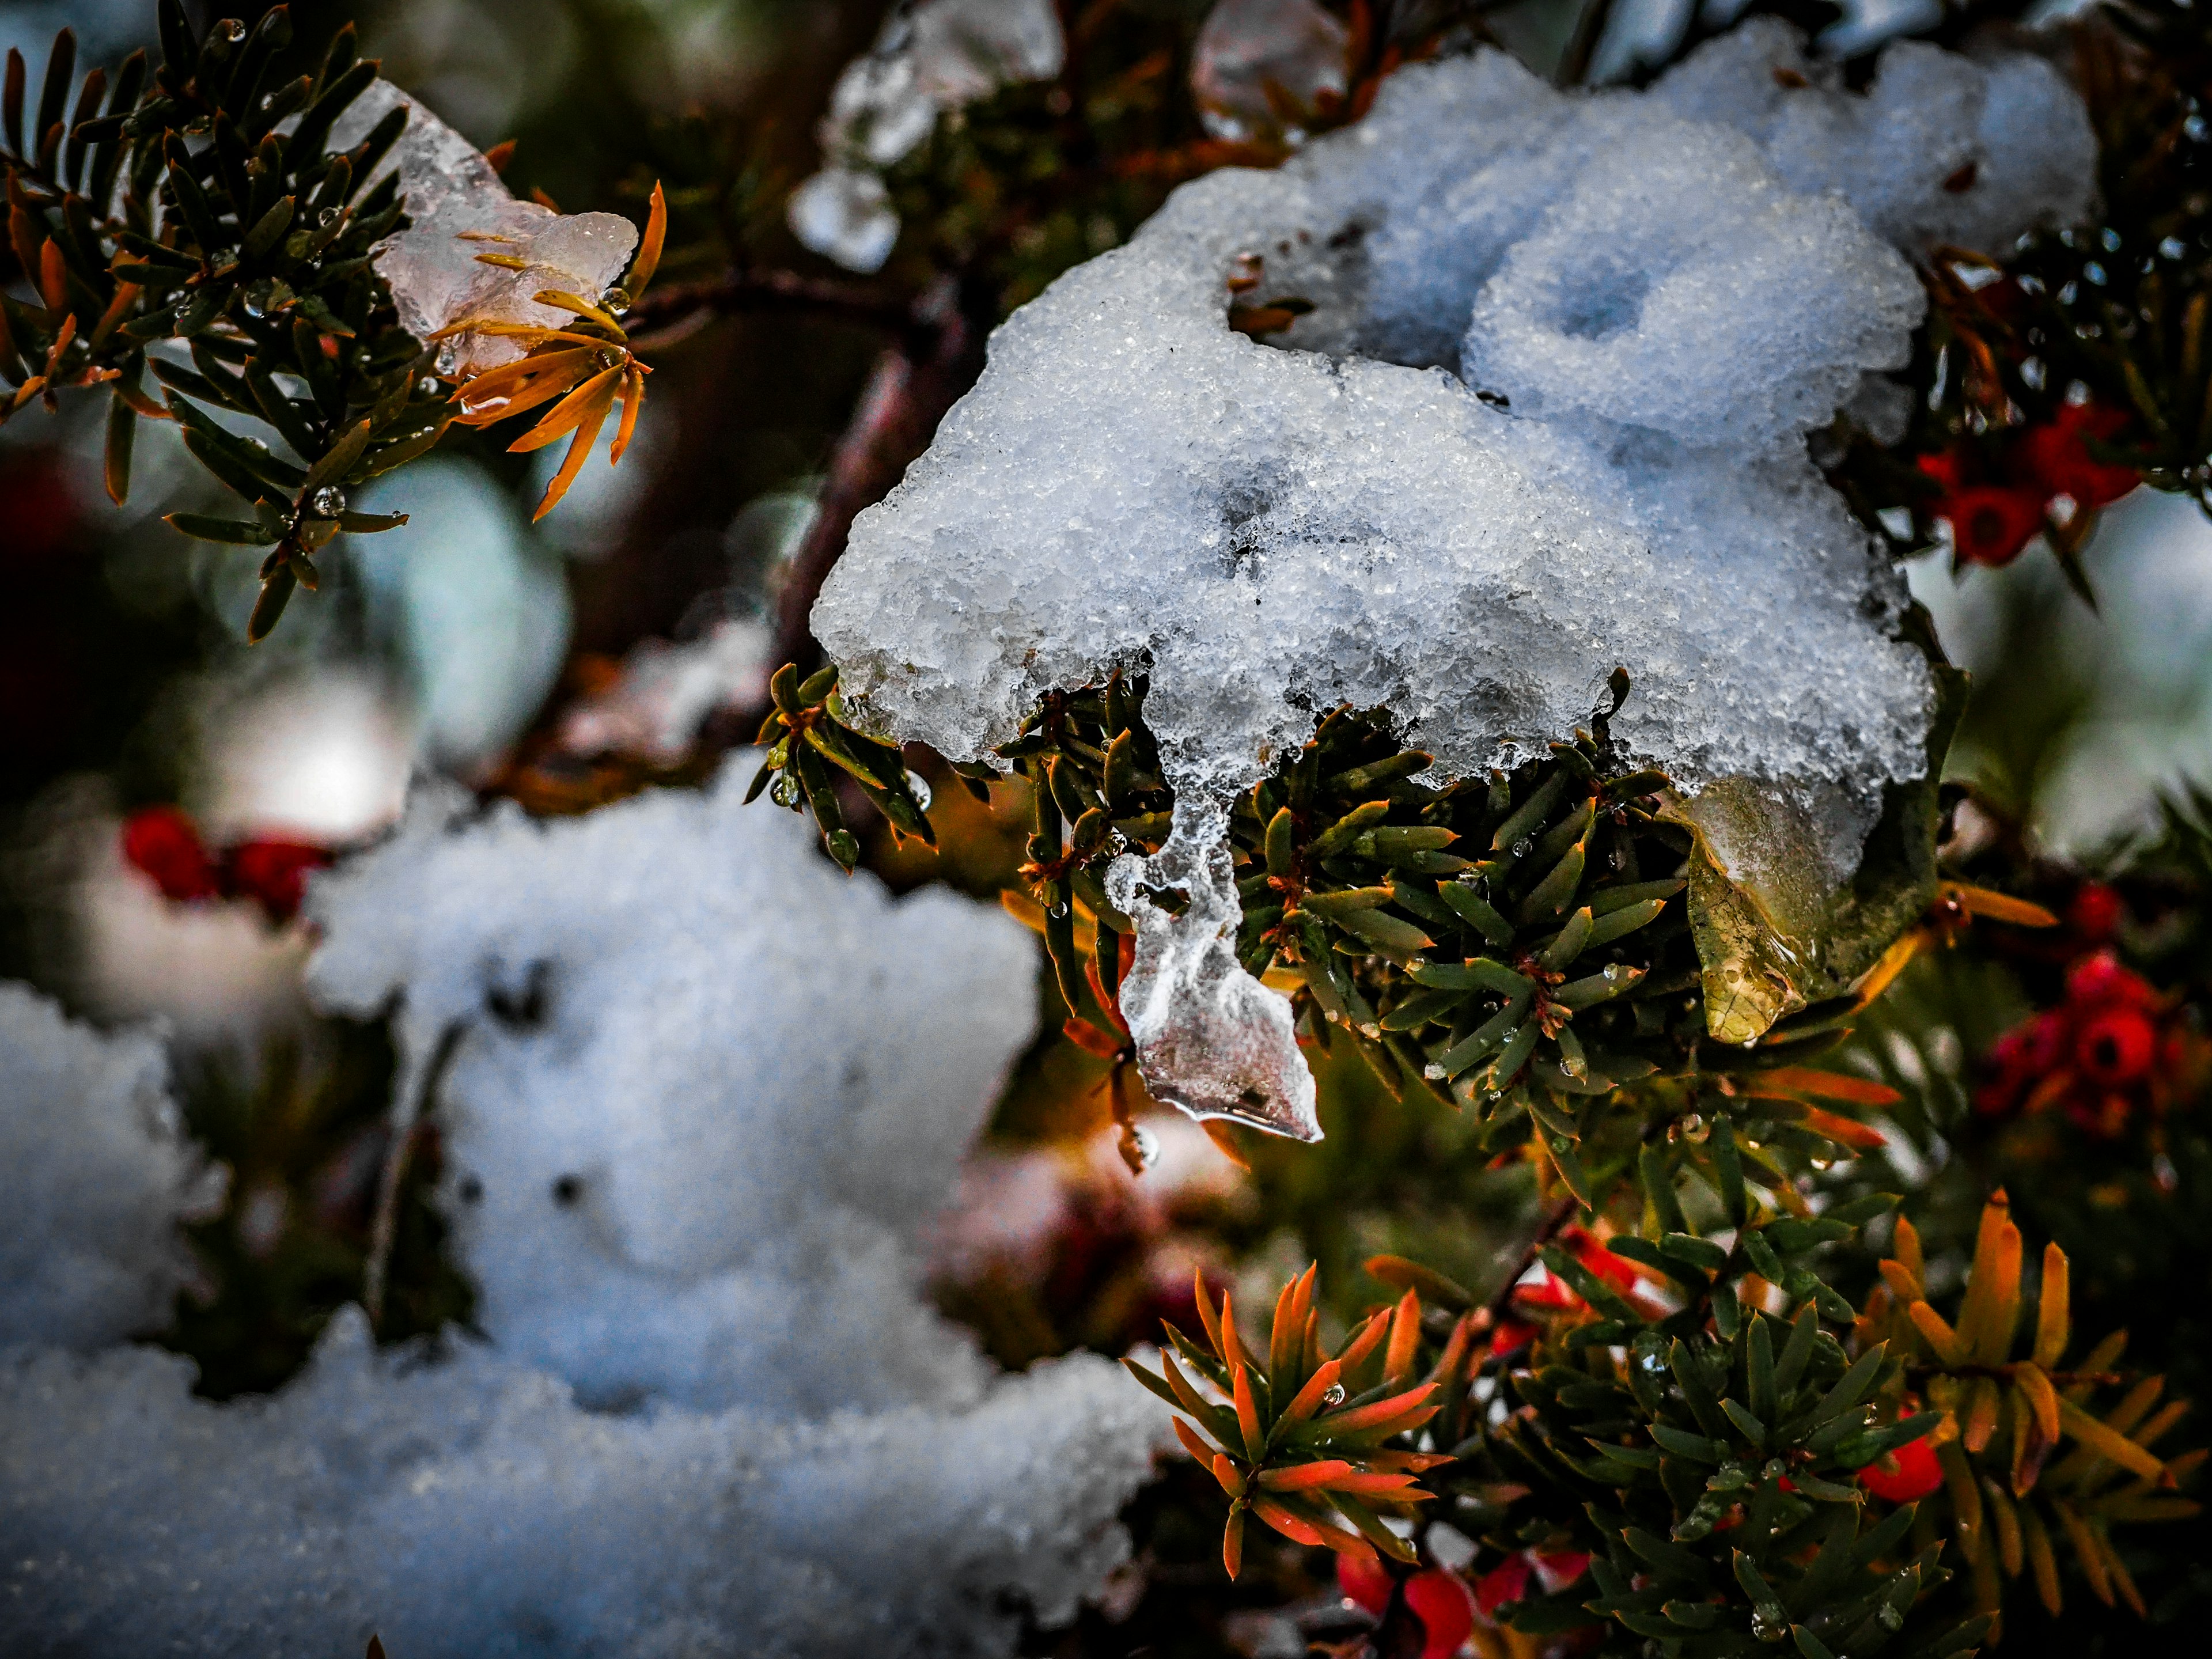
(101, 1175)
(459, 209)
(702, 1097)
(931, 57)
(1546, 416)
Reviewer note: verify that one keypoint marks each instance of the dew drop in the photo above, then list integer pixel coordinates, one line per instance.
(1334, 1395)
(327, 502)
(1140, 1147)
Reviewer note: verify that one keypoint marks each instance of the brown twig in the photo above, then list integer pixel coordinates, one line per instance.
(407, 1116)
(1561, 1213)
(673, 306)
(1589, 29)
(912, 387)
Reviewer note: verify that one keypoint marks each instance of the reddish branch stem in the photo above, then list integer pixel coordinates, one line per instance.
(911, 387)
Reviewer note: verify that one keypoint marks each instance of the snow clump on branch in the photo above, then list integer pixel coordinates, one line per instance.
(1535, 405)
(930, 58)
(701, 1097)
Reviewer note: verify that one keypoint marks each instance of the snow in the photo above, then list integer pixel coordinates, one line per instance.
(931, 58)
(667, 690)
(458, 208)
(1546, 416)
(702, 1097)
(101, 1173)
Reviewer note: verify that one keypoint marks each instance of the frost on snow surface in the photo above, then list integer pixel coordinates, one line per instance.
(931, 57)
(702, 1097)
(458, 208)
(1546, 416)
(101, 1174)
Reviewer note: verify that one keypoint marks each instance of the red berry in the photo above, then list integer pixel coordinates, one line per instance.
(2047, 1037)
(1593, 1253)
(273, 872)
(1947, 467)
(1989, 523)
(2058, 456)
(1558, 1571)
(1511, 1335)
(161, 843)
(2116, 1046)
(1445, 1609)
(1365, 1583)
(2096, 912)
(1906, 1475)
(1502, 1586)
(2098, 980)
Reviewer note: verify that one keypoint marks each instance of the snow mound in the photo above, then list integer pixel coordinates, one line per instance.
(698, 1090)
(101, 1174)
(1542, 413)
(701, 1097)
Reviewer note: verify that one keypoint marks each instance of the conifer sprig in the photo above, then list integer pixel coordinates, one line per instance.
(1319, 1447)
(169, 227)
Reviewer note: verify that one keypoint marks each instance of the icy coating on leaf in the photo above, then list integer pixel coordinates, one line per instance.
(1541, 412)
(700, 1097)
(101, 1174)
(458, 208)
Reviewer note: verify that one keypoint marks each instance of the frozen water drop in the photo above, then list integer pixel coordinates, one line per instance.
(919, 788)
(1140, 1147)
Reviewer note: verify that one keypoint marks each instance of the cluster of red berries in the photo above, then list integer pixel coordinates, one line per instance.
(1446, 1604)
(2111, 1049)
(1995, 508)
(164, 844)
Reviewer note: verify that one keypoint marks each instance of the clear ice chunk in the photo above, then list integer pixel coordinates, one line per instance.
(845, 214)
(1209, 1038)
(1246, 46)
(458, 207)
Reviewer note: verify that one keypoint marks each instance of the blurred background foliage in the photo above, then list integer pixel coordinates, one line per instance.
(625, 640)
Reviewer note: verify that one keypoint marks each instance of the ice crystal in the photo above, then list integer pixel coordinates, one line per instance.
(458, 210)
